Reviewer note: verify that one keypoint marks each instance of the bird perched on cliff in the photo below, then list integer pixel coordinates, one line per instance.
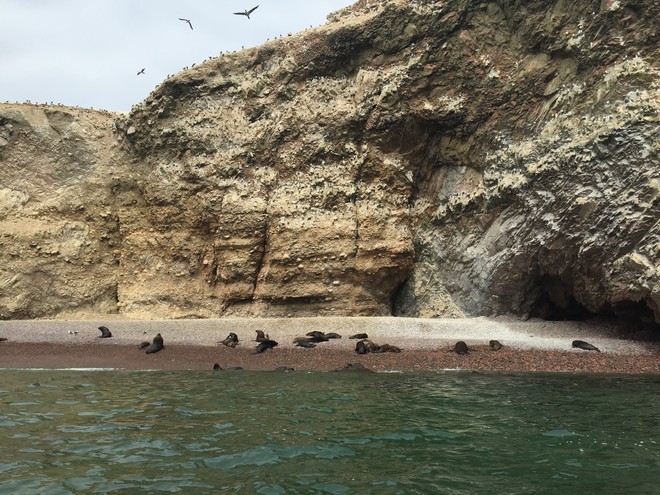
(186, 20)
(247, 13)
(140, 72)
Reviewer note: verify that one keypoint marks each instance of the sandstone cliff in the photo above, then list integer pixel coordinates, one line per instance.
(417, 158)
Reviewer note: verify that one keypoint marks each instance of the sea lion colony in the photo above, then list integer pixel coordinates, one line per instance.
(312, 338)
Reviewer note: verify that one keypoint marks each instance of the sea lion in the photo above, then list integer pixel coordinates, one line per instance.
(157, 345)
(361, 347)
(306, 344)
(3, 339)
(266, 344)
(315, 333)
(460, 348)
(231, 340)
(283, 368)
(360, 336)
(581, 344)
(105, 333)
(495, 345)
(216, 367)
(144, 345)
(388, 348)
(373, 347)
(261, 337)
(332, 335)
(318, 338)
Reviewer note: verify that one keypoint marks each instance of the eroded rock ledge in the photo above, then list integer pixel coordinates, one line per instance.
(416, 158)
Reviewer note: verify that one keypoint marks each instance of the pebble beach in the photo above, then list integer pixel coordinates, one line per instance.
(426, 345)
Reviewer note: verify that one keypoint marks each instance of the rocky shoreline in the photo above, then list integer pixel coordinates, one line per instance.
(532, 346)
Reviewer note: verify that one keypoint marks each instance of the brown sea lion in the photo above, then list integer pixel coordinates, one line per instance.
(371, 346)
(144, 345)
(361, 347)
(460, 348)
(315, 333)
(105, 333)
(231, 340)
(306, 344)
(332, 335)
(260, 336)
(388, 348)
(3, 339)
(156, 345)
(360, 336)
(265, 345)
(495, 345)
(581, 344)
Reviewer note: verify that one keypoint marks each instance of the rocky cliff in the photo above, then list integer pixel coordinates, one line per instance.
(417, 158)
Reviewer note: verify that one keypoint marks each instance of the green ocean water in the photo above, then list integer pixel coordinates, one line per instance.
(98, 432)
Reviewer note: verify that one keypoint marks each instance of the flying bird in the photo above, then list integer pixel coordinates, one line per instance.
(186, 20)
(141, 72)
(247, 13)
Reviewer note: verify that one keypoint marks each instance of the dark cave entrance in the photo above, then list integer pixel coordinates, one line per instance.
(396, 299)
(555, 302)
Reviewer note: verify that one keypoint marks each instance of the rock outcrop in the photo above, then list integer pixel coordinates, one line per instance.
(417, 158)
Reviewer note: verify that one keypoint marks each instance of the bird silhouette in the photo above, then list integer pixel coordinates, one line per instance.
(186, 20)
(247, 13)
(141, 72)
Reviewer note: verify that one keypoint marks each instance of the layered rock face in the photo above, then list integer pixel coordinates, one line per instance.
(415, 158)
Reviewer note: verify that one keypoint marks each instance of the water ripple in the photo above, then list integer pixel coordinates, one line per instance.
(454, 433)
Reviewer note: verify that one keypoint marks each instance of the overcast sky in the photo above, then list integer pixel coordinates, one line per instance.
(88, 52)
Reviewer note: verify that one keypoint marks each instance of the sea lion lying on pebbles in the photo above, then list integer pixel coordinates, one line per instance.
(265, 345)
(105, 333)
(361, 347)
(581, 344)
(460, 348)
(306, 344)
(231, 340)
(156, 345)
(317, 337)
(495, 345)
(144, 345)
(365, 346)
(360, 336)
(388, 348)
